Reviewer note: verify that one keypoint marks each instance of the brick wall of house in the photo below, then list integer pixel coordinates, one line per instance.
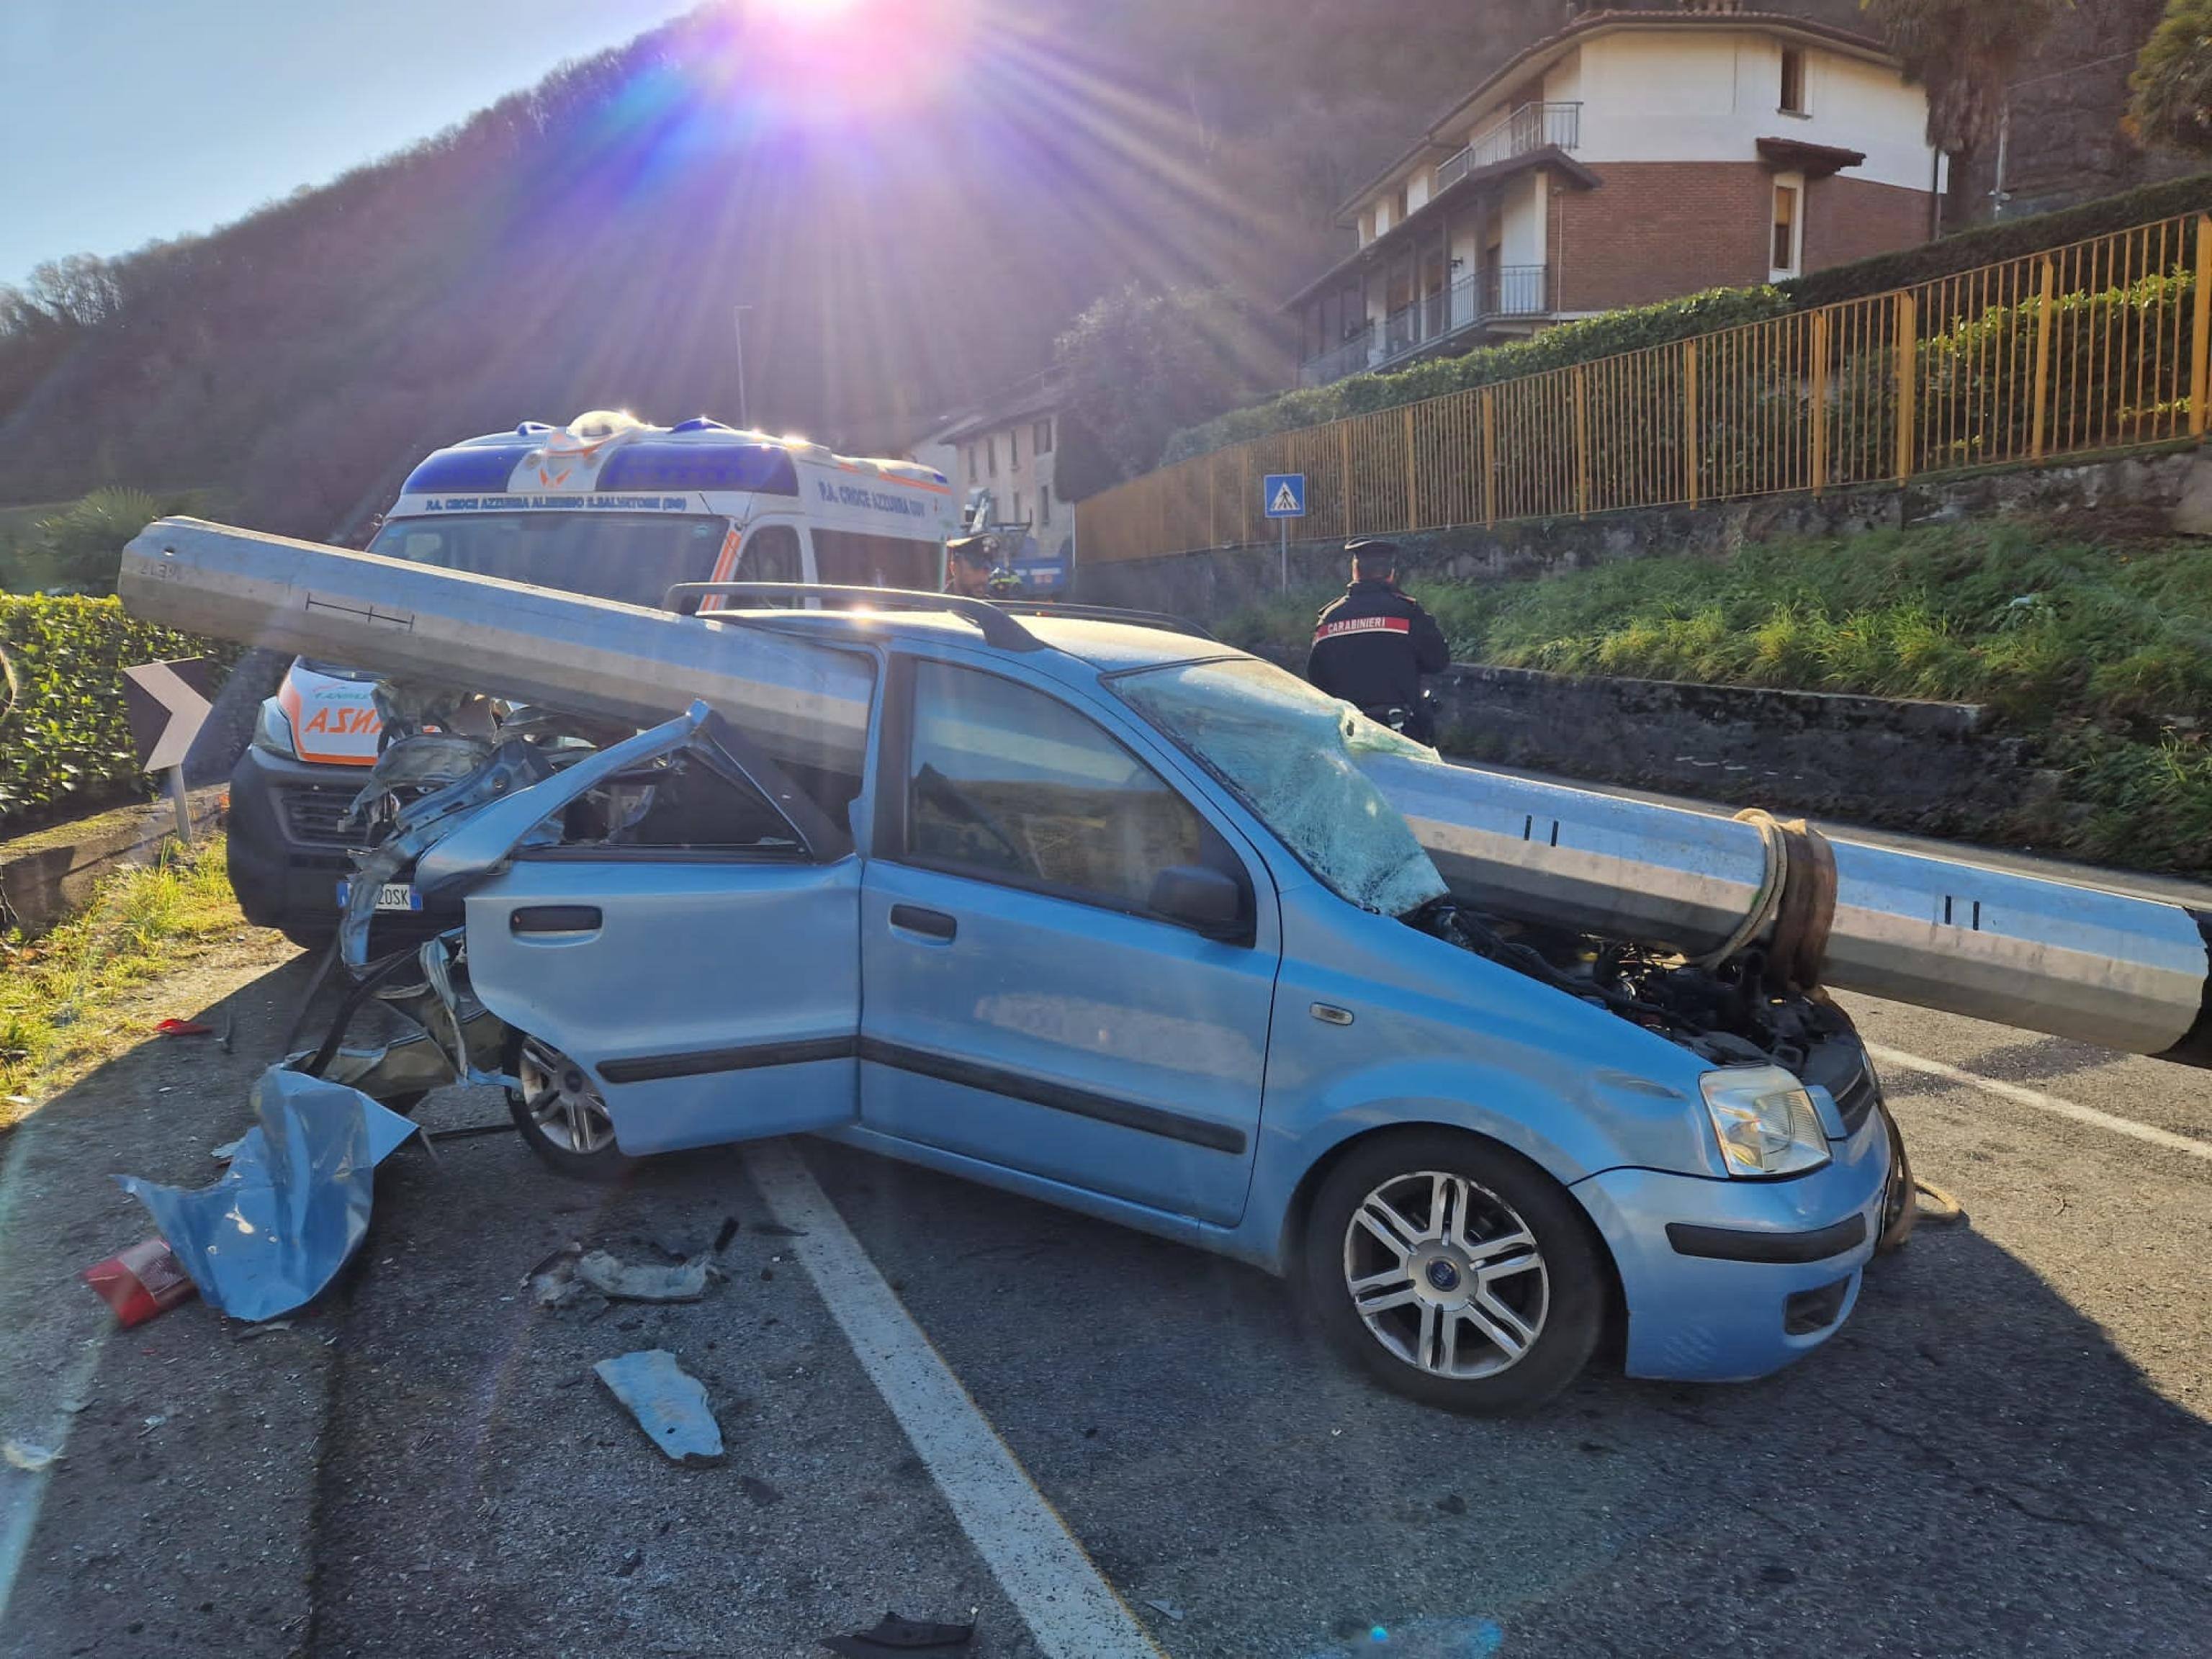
(1658, 230)
(1848, 219)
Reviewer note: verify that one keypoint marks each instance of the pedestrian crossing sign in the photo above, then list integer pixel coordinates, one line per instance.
(1284, 495)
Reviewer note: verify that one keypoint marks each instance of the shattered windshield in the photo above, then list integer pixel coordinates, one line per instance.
(1290, 751)
(632, 557)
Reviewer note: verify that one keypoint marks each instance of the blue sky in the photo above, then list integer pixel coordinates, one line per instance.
(125, 120)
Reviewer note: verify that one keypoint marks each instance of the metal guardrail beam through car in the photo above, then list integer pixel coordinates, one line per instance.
(2077, 961)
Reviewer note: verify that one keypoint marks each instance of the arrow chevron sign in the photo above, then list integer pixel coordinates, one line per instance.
(166, 702)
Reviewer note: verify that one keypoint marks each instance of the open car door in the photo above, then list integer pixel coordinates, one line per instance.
(675, 916)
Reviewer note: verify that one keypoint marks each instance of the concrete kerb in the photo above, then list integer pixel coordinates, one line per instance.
(48, 875)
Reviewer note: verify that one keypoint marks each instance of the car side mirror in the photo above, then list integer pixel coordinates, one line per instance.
(1198, 897)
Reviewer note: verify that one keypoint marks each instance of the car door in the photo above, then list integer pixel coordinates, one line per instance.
(1023, 1005)
(692, 942)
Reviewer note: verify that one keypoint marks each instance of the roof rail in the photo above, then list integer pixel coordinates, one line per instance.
(997, 627)
(1163, 620)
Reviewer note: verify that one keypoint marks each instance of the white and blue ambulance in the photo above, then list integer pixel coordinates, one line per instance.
(606, 505)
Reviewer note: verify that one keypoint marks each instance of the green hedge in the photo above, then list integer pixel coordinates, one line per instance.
(64, 738)
(2009, 238)
(1607, 335)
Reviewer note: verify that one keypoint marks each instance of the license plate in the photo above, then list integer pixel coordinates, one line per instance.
(392, 895)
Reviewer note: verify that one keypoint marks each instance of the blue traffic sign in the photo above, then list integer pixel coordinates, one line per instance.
(1284, 495)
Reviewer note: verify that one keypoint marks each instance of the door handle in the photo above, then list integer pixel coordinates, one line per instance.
(930, 924)
(555, 919)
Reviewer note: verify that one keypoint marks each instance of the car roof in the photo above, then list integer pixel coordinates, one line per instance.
(1107, 646)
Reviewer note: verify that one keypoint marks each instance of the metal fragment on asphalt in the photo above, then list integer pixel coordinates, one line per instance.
(668, 1403)
(895, 1634)
(625, 1281)
(293, 1206)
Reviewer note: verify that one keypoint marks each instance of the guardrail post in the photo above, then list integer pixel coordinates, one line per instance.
(1489, 458)
(1582, 445)
(2200, 338)
(1817, 461)
(1908, 356)
(2046, 301)
(1690, 420)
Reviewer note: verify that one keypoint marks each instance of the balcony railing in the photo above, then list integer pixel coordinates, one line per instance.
(1487, 295)
(1532, 126)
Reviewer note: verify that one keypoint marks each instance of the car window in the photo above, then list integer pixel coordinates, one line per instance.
(1005, 783)
(772, 555)
(680, 805)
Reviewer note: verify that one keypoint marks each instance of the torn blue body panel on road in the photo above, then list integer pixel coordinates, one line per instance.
(294, 1205)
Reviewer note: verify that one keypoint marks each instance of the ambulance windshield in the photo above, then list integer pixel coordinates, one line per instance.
(633, 557)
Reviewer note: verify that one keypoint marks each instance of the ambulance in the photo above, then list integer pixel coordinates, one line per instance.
(607, 506)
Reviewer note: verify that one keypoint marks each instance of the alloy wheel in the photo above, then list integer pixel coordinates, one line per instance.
(1445, 1275)
(562, 1102)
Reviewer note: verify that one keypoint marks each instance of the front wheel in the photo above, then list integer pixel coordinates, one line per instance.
(1456, 1271)
(560, 1112)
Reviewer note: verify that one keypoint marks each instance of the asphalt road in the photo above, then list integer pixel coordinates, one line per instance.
(2005, 1451)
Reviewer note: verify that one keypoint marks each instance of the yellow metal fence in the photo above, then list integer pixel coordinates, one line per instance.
(2099, 345)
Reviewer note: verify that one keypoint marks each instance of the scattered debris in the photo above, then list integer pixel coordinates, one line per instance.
(893, 1634)
(777, 1230)
(294, 1205)
(623, 1281)
(759, 1489)
(1166, 1609)
(140, 1282)
(264, 1328)
(28, 1458)
(552, 1282)
(182, 1028)
(152, 1422)
(228, 1150)
(729, 1230)
(631, 1563)
(1452, 1504)
(669, 1403)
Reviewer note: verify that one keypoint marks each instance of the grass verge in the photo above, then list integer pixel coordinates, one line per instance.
(2100, 650)
(59, 992)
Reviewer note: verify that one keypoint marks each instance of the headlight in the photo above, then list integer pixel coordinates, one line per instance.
(273, 731)
(1765, 1120)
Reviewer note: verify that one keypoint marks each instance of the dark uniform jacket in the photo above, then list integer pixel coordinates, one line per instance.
(1371, 646)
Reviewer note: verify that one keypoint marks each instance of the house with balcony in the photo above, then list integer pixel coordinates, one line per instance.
(1633, 157)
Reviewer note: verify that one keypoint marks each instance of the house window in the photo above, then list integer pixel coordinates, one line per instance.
(1793, 81)
(1014, 449)
(974, 471)
(1399, 208)
(1040, 439)
(1018, 508)
(1044, 504)
(1789, 239)
(991, 452)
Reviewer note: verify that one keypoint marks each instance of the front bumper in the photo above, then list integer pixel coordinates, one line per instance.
(286, 851)
(1755, 1274)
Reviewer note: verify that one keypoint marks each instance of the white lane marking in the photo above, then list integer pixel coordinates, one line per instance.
(1070, 1608)
(2043, 1103)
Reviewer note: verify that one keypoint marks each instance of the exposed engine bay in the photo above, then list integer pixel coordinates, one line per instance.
(1729, 1014)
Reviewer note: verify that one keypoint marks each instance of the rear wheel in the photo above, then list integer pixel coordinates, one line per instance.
(1456, 1271)
(560, 1112)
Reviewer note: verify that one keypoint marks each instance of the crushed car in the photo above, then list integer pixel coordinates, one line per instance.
(1110, 915)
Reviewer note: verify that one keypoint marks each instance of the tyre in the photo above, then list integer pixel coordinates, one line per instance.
(1456, 1272)
(560, 1112)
